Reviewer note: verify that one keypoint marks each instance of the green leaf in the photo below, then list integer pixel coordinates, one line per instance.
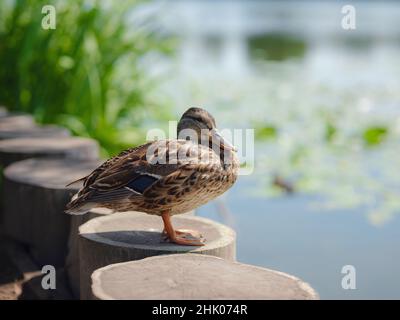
(330, 132)
(374, 135)
(266, 132)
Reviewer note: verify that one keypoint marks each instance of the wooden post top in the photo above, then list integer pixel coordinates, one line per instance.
(13, 150)
(50, 173)
(12, 132)
(44, 145)
(16, 120)
(141, 231)
(193, 276)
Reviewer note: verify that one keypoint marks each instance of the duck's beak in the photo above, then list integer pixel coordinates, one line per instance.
(219, 142)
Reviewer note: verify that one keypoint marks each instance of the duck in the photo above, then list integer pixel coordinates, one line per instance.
(164, 177)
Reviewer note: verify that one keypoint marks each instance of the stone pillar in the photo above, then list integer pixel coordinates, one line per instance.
(133, 236)
(195, 277)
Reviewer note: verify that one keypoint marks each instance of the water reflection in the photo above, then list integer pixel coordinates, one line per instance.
(325, 106)
(275, 46)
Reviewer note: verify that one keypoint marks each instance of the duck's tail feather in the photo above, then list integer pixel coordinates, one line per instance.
(78, 207)
(76, 181)
(82, 203)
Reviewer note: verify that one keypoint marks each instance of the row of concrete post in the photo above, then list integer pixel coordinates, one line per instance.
(118, 255)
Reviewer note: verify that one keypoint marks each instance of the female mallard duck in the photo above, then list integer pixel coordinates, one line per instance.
(165, 177)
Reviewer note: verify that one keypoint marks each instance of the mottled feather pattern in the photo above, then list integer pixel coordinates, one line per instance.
(182, 184)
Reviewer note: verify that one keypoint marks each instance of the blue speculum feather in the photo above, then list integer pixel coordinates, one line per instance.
(141, 183)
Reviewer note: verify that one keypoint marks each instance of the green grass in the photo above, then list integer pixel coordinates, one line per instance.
(86, 74)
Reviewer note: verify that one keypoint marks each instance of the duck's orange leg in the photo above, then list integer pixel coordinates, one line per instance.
(184, 236)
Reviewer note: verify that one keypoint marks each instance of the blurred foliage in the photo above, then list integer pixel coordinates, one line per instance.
(334, 137)
(374, 135)
(265, 132)
(88, 74)
(330, 132)
(276, 46)
(360, 42)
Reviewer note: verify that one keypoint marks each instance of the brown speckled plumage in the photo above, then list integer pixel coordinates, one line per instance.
(173, 187)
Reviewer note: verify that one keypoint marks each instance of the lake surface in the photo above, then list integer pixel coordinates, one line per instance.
(285, 63)
(287, 234)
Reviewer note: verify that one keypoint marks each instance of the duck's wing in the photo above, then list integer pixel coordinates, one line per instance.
(134, 172)
(90, 178)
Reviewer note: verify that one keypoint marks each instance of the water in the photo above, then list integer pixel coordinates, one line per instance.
(287, 234)
(230, 59)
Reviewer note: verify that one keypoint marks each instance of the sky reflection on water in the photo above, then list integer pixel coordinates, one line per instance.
(325, 78)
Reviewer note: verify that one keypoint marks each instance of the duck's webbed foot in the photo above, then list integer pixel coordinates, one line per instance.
(183, 236)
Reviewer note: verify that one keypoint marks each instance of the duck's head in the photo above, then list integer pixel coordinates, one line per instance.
(199, 125)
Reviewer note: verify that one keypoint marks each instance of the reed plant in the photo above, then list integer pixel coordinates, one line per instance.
(88, 74)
